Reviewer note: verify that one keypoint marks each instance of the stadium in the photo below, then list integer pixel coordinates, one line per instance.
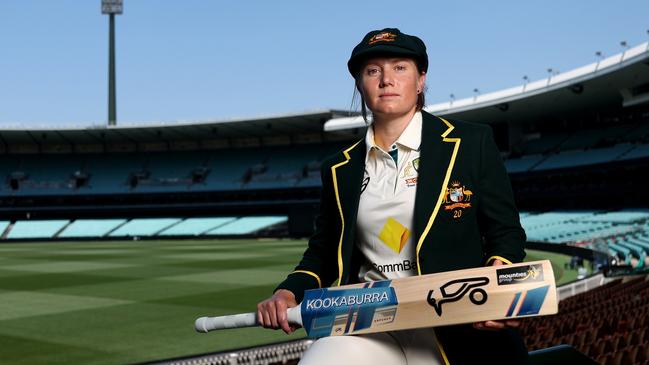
(115, 238)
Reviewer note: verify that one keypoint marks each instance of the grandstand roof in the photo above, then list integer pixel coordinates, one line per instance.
(621, 80)
(280, 125)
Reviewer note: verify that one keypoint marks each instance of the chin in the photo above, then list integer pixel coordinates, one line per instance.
(389, 112)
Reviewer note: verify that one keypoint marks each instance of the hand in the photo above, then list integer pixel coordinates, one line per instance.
(497, 325)
(271, 313)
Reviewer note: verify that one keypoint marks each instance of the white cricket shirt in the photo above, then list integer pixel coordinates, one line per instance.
(386, 206)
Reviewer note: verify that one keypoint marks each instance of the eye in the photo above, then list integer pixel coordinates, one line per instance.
(372, 71)
(400, 67)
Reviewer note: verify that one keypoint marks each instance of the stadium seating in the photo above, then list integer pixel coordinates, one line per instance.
(90, 227)
(285, 167)
(586, 146)
(150, 172)
(195, 226)
(609, 324)
(3, 226)
(247, 169)
(141, 227)
(246, 225)
(36, 228)
(638, 151)
(623, 235)
(544, 143)
(523, 163)
(572, 158)
(39, 177)
(144, 227)
(590, 138)
(561, 227)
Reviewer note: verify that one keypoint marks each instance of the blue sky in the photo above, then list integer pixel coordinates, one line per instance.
(208, 59)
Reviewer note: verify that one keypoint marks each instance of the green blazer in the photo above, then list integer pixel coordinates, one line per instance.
(465, 214)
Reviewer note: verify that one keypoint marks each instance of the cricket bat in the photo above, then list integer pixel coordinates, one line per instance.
(447, 298)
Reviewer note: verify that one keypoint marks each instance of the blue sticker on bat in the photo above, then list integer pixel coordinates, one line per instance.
(510, 311)
(344, 310)
(533, 301)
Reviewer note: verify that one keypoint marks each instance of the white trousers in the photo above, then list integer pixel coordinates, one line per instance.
(410, 347)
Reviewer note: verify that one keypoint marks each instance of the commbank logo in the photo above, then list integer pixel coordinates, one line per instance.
(394, 235)
(455, 290)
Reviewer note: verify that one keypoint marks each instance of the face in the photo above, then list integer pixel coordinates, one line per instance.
(390, 85)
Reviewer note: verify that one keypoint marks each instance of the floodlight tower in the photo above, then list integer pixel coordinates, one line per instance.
(111, 7)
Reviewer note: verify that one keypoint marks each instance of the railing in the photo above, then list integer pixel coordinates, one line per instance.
(280, 353)
(581, 286)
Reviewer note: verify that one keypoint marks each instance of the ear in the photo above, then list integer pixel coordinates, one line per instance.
(421, 81)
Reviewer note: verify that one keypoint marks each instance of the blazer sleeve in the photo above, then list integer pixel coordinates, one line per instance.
(319, 265)
(503, 236)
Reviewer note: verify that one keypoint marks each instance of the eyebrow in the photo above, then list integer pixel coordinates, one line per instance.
(390, 60)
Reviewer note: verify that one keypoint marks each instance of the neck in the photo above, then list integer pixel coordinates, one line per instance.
(387, 129)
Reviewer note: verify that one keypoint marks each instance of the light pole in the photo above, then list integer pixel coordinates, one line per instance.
(600, 56)
(525, 81)
(551, 72)
(111, 7)
(625, 47)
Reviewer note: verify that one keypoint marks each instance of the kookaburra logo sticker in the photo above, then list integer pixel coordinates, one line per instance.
(455, 290)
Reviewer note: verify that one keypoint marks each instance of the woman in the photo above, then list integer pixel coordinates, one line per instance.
(419, 195)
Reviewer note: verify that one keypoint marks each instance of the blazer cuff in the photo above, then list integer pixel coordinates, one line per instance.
(298, 281)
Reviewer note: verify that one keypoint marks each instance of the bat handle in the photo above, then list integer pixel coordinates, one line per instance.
(206, 324)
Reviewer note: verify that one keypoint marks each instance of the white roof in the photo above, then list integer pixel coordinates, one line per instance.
(552, 82)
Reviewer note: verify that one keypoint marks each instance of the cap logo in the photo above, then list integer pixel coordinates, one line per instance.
(382, 37)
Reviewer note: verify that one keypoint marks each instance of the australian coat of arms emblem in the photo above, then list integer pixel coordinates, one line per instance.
(457, 198)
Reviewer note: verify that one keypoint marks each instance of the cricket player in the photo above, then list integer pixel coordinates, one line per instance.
(419, 194)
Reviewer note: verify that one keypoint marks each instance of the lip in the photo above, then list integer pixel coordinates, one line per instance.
(388, 95)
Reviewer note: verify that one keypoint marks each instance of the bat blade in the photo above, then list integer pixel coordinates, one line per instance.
(454, 297)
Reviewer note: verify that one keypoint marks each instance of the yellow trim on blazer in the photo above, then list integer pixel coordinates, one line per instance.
(447, 177)
(340, 210)
(310, 273)
(441, 349)
(498, 258)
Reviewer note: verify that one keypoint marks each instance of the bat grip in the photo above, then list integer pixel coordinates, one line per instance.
(206, 324)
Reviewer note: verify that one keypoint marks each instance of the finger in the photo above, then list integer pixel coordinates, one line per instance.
(260, 317)
(281, 317)
(267, 322)
(494, 324)
(513, 323)
(272, 311)
(478, 325)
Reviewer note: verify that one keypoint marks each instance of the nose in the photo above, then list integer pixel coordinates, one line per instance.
(387, 78)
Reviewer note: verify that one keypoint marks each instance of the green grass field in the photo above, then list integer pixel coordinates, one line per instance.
(136, 301)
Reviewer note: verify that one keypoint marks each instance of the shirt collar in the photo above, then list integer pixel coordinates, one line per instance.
(410, 137)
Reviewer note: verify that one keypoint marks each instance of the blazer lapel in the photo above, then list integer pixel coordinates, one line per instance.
(437, 157)
(347, 178)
